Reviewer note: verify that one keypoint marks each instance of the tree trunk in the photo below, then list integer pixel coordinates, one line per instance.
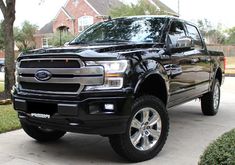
(9, 56)
(8, 10)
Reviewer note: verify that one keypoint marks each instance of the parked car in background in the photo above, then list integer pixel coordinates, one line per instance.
(2, 64)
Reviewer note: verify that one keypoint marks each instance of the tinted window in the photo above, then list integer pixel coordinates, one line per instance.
(176, 31)
(142, 29)
(194, 34)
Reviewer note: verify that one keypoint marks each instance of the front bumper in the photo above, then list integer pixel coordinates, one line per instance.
(88, 115)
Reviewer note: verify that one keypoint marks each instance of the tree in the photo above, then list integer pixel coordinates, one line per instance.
(60, 38)
(204, 26)
(213, 35)
(25, 36)
(143, 7)
(1, 37)
(231, 36)
(8, 10)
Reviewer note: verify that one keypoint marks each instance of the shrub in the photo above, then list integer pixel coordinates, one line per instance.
(221, 151)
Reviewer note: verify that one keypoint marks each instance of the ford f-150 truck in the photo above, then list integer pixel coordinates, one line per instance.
(117, 79)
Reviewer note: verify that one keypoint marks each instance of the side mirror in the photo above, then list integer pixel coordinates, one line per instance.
(182, 44)
(66, 44)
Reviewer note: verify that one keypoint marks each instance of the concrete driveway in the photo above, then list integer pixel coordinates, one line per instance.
(190, 133)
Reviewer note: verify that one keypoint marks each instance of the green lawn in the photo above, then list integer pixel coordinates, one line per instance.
(8, 119)
(1, 86)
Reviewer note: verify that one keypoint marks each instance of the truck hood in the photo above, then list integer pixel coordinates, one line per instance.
(95, 51)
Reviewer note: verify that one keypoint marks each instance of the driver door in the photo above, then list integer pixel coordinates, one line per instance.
(182, 78)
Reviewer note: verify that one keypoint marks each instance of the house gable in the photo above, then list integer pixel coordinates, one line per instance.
(103, 6)
(63, 19)
(162, 7)
(78, 9)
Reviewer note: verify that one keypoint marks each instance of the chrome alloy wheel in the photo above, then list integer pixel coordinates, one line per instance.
(145, 129)
(216, 95)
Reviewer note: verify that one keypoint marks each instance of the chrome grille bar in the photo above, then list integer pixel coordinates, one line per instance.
(80, 80)
(90, 75)
(91, 71)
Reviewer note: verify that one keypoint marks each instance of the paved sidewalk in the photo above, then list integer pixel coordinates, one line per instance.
(190, 133)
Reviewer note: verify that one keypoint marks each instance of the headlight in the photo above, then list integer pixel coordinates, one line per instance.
(113, 74)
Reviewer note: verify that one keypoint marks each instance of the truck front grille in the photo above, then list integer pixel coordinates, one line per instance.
(50, 87)
(50, 63)
(57, 76)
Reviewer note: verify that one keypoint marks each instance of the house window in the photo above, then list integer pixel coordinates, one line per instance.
(84, 22)
(45, 42)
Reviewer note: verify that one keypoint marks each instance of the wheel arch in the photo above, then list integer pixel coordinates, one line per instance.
(155, 84)
(219, 75)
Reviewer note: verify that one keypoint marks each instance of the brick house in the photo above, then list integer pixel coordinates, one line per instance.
(76, 15)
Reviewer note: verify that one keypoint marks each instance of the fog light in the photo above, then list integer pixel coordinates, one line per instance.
(109, 107)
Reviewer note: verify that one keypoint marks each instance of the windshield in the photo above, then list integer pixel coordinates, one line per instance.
(142, 29)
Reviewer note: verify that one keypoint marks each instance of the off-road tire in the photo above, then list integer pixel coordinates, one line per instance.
(122, 144)
(208, 100)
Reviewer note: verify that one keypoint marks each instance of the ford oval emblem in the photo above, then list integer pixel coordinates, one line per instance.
(43, 75)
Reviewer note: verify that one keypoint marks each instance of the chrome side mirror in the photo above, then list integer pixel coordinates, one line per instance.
(184, 43)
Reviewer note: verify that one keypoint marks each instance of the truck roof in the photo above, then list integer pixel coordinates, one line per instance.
(156, 16)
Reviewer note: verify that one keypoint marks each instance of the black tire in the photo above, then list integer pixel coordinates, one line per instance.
(208, 105)
(122, 143)
(41, 134)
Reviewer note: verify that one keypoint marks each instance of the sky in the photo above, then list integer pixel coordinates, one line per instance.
(192, 10)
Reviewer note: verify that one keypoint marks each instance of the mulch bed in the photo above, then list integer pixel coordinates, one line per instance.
(4, 100)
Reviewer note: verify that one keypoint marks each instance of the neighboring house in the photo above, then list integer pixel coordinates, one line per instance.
(43, 35)
(77, 15)
(74, 17)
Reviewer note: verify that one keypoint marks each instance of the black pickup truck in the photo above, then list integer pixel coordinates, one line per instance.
(117, 79)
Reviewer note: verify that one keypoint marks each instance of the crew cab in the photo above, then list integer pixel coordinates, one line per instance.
(118, 79)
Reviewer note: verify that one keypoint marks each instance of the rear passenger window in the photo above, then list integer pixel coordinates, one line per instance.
(194, 34)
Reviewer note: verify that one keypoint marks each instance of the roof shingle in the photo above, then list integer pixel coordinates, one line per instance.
(165, 8)
(103, 6)
(46, 29)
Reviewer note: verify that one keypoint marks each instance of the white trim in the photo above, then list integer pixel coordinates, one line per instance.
(66, 13)
(66, 3)
(92, 7)
(62, 9)
(153, 3)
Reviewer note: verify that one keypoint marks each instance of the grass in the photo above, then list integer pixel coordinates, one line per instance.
(1, 87)
(8, 119)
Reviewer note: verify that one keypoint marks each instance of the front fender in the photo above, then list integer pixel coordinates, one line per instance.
(151, 68)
